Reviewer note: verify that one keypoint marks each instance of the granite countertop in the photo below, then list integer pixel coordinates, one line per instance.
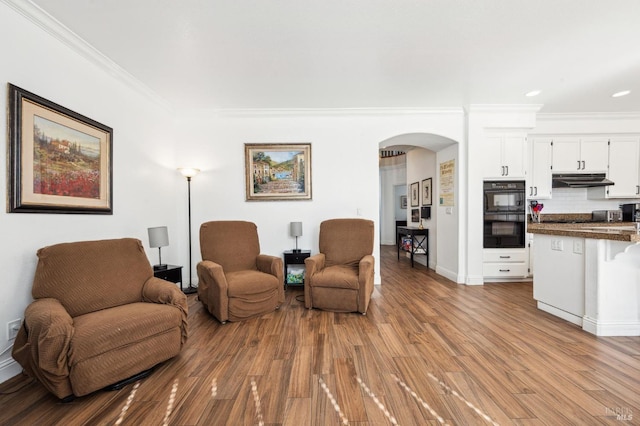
(617, 231)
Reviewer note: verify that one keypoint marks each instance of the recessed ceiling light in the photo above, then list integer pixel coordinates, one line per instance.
(533, 93)
(622, 93)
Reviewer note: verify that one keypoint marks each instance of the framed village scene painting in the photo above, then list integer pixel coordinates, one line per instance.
(278, 171)
(60, 161)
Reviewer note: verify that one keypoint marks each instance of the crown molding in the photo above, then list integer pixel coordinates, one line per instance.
(589, 116)
(314, 112)
(62, 33)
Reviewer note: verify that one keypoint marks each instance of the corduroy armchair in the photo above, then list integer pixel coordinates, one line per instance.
(340, 277)
(99, 317)
(236, 281)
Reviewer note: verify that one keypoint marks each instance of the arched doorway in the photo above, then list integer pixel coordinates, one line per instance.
(417, 160)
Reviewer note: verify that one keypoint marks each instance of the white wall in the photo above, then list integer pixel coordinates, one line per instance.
(345, 172)
(392, 184)
(448, 253)
(144, 177)
(421, 164)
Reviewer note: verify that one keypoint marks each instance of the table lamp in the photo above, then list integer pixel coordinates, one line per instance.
(296, 231)
(159, 237)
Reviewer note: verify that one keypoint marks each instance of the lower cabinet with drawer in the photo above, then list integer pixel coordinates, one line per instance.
(505, 264)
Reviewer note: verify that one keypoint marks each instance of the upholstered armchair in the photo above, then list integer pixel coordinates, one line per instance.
(236, 281)
(99, 317)
(340, 277)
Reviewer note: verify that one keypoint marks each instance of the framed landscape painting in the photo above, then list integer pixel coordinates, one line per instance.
(280, 171)
(60, 161)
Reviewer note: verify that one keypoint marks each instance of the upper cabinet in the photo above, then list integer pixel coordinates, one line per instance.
(580, 154)
(624, 167)
(505, 155)
(539, 178)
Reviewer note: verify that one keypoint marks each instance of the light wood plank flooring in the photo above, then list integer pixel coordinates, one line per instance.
(428, 352)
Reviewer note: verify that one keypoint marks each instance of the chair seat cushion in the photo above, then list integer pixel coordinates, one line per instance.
(103, 331)
(338, 276)
(250, 282)
(251, 293)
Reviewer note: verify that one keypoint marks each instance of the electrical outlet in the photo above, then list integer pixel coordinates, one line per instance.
(557, 245)
(578, 247)
(12, 328)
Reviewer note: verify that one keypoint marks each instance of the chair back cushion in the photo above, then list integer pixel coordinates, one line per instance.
(88, 276)
(346, 241)
(233, 244)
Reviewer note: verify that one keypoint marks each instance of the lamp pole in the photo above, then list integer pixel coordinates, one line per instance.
(189, 173)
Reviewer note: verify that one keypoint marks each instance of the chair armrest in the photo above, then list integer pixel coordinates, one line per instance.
(213, 289)
(157, 290)
(42, 345)
(272, 265)
(365, 279)
(366, 269)
(314, 264)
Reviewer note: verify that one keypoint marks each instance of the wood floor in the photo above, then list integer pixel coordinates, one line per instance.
(428, 352)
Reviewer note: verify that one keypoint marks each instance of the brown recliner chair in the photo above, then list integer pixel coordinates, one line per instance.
(235, 281)
(99, 317)
(340, 277)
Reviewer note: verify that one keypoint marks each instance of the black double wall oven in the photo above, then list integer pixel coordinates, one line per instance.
(504, 214)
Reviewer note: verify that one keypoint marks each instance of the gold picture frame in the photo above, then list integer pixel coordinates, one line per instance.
(59, 161)
(277, 171)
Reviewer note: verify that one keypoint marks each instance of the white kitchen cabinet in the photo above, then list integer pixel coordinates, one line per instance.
(539, 177)
(505, 156)
(559, 276)
(580, 154)
(505, 264)
(624, 167)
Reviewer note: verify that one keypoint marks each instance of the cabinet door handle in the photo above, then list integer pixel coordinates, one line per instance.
(583, 165)
(536, 190)
(637, 189)
(502, 174)
(507, 167)
(505, 257)
(531, 190)
(505, 270)
(578, 165)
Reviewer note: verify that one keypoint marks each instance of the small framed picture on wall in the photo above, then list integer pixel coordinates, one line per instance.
(415, 215)
(415, 194)
(426, 192)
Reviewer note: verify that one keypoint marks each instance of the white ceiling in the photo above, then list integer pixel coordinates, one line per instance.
(370, 53)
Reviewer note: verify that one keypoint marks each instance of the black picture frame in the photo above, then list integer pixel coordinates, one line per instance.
(415, 215)
(59, 161)
(414, 193)
(427, 192)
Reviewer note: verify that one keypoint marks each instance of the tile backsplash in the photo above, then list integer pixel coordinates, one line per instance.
(574, 200)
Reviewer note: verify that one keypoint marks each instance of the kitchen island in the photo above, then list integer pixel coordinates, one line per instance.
(589, 274)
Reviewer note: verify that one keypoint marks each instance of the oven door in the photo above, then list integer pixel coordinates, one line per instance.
(504, 231)
(499, 201)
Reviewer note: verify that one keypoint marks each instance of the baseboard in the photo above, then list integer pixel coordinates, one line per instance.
(9, 368)
(560, 313)
(600, 328)
(451, 275)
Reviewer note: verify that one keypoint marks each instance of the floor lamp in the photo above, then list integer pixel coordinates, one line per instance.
(189, 173)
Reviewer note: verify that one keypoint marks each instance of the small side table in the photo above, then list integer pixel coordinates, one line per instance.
(292, 257)
(172, 273)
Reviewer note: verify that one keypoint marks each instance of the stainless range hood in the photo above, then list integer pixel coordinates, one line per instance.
(580, 180)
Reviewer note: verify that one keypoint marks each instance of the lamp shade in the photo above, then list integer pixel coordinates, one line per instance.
(296, 229)
(158, 236)
(188, 172)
